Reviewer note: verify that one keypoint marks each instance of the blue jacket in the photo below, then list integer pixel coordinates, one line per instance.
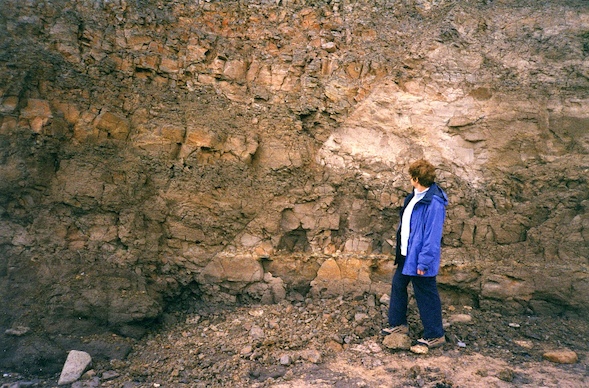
(425, 236)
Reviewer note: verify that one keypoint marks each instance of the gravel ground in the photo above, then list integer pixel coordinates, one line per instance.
(337, 343)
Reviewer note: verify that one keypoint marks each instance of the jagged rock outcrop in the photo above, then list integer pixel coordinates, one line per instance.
(153, 152)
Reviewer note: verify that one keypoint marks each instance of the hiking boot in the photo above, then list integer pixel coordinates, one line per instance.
(401, 329)
(432, 342)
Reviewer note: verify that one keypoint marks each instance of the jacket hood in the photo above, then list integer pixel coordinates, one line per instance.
(435, 192)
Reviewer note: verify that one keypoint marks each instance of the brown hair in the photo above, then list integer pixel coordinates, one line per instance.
(423, 171)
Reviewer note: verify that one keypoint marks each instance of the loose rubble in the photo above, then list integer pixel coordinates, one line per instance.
(337, 342)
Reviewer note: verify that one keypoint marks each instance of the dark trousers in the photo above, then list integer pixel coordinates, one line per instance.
(427, 298)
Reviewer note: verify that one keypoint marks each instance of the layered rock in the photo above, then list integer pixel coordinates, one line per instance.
(154, 152)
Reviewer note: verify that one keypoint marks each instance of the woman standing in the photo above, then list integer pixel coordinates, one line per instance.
(418, 252)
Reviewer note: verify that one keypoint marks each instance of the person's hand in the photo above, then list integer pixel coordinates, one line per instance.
(420, 272)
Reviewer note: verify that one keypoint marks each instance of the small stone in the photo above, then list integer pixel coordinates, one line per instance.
(330, 47)
(193, 320)
(256, 332)
(265, 373)
(362, 331)
(109, 375)
(74, 366)
(506, 375)
(374, 347)
(360, 349)
(516, 325)
(256, 313)
(397, 341)
(89, 374)
(524, 344)
(334, 346)
(17, 331)
(419, 349)
(246, 350)
(285, 360)
(359, 317)
(337, 338)
(385, 299)
(460, 318)
(562, 356)
(414, 372)
(311, 355)
(482, 372)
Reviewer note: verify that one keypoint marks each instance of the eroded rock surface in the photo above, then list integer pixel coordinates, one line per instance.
(153, 153)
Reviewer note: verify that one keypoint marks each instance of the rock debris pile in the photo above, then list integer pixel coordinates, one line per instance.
(337, 342)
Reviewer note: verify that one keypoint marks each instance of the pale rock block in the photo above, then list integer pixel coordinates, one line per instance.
(329, 222)
(307, 214)
(75, 364)
(561, 356)
(276, 155)
(264, 249)
(243, 147)
(256, 333)
(329, 271)
(180, 231)
(347, 275)
(235, 70)
(201, 137)
(244, 269)
(503, 287)
(112, 125)
(355, 270)
(206, 79)
(419, 349)
(289, 221)
(234, 92)
(279, 74)
(397, 341)
(195, 53)
(461, 121)
(358, 244)
(252, 71)
(248, 240)
(330, 47)
(264, 75)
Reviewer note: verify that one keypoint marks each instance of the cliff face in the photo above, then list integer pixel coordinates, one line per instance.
(155, 152)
